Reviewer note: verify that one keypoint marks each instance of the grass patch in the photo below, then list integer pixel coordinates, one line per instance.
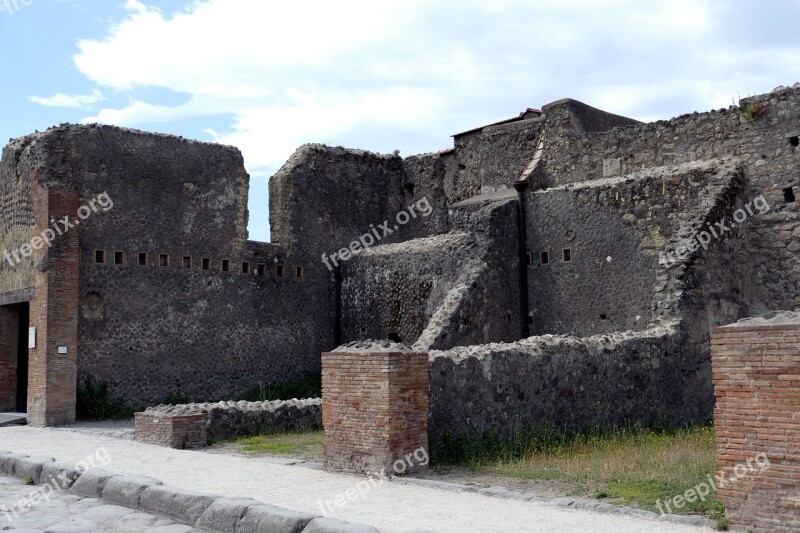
(28, 480)
(94, 403)
(309, 445)
(306, 387)
(633, 466)
(752, 110)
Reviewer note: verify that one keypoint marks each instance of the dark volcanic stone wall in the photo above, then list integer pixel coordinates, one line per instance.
(151, 330)
(616, 231)
(324, 198)
(760, 132)
(17, 186)
(454, 289)
(491, 158)
(568, 383)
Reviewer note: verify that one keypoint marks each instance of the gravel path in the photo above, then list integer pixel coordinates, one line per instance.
(391, 507)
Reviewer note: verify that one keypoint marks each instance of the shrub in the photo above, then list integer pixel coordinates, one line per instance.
(94, 403)
(309, 386)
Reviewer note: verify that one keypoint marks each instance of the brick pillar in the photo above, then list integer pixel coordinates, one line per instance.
(52, 376)
(375, 410)
(756, 372)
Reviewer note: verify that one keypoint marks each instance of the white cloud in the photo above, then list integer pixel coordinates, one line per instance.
(64, 100)
(345, 72)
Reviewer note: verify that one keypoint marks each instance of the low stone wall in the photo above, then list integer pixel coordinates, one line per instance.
(568, 383)
(241, 419)
(180, 431)
(756, 368)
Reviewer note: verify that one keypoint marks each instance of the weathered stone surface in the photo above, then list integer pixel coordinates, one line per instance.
(334, 525)
(183, 505)
(229, 419)
(268, 518)
(91, 483)
(58, 474)
(31, 467)
(225, 513)
(127, 490)
(8, 462)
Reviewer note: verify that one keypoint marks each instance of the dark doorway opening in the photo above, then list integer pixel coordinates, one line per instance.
(23, 311)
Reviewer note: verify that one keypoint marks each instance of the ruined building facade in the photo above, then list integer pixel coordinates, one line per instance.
(563, 266)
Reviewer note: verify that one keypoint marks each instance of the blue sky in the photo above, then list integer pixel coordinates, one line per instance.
(267, 76)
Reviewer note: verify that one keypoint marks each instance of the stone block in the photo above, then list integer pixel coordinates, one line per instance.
(183, 505)
(62, 475)
(225, 513)
(274, 519)
(91, 483)
(8, 461)
(127, 490)
(31, 467)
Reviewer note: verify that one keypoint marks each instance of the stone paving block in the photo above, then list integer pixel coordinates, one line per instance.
(128, 490)
(106, 513)
(90, 484)
(183, 505)
(334, 525)
(62, 475)
(75, 525)
(225, 513)
(8, 461)
(274, 519)
(31, 467)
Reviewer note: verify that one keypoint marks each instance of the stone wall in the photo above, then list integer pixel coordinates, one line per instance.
(756, 365)
(350, 192)
(602, 250)
(491, 158)
(242, 419)
(171, 298)
(453, 289)
(759, 133)
(374, 408)
(180, 431)
(568, 383)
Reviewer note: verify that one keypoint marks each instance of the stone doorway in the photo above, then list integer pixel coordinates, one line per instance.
(14, 360)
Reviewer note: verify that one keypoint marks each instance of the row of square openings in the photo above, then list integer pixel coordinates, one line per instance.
(187, 263)
(545, 258)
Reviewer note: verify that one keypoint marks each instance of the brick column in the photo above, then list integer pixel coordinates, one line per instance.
(756, 372)
(52, 376)
(375, 410)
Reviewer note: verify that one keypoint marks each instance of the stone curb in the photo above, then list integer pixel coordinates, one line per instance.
(217, 514)
(576, 503)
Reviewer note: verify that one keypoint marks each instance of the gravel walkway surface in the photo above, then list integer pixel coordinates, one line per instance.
(391, 507)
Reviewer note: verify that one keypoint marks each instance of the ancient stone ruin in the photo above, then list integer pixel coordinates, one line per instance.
(563, 266)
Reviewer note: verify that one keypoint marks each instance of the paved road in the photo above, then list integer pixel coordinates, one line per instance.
(64, 513)
(391, 507)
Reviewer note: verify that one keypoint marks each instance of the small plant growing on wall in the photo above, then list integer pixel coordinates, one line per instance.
(752, 110)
